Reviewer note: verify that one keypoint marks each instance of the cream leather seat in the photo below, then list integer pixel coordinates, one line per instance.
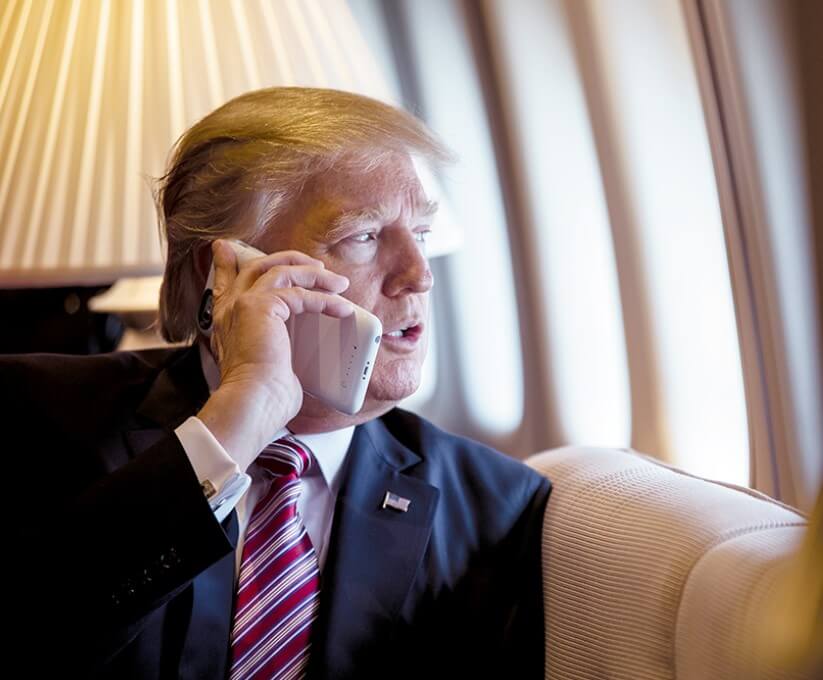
(652, 573)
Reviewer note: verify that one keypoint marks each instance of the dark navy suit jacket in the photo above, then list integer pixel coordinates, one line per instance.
(122, 571)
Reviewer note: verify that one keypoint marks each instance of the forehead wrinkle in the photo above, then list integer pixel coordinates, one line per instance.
(427, 209)
(419, 205)
(408, 198)
(382, 214)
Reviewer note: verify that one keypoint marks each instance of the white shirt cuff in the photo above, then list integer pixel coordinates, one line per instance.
(219, 475)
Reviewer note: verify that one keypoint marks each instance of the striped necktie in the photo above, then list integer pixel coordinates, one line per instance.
(279, 585)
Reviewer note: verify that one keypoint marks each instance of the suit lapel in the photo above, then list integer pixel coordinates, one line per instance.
(374, 552)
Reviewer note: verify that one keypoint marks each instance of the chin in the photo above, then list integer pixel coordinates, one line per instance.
(394, 385)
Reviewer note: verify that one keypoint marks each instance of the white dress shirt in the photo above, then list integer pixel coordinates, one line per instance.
(236, 489)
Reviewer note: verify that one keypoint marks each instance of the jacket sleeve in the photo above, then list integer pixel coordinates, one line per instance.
(495, 627)
(95, 560)
(520, 580)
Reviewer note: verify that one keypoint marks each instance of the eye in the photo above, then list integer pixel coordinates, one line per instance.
(365, 237)
(422, 235)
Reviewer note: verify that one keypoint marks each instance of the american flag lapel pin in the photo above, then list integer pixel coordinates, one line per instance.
(392, 500)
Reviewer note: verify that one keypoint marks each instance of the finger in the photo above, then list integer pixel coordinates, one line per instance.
(225, 266)
(253, 269)
(299, 300)
(310, 278)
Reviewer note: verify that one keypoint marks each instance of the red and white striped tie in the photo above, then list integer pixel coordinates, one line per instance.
(279, 586)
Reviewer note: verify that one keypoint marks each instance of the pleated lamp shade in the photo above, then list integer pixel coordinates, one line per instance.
(93, 93)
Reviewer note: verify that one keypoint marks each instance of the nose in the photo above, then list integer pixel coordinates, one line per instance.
(408, 270)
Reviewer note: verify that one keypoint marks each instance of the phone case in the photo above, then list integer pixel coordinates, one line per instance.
(333, 358)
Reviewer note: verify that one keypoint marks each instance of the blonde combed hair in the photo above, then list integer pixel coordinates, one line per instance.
(236, 171)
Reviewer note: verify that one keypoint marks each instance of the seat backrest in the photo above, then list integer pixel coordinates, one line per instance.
(652, 573)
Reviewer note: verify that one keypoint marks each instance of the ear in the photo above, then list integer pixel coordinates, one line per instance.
(202, 261)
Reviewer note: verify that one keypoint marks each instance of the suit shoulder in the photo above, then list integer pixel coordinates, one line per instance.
(75, 369)
(55, 383)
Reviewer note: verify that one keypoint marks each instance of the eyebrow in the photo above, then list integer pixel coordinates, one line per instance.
(346, 221)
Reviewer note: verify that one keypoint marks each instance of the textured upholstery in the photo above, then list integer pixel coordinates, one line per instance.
(652, 573)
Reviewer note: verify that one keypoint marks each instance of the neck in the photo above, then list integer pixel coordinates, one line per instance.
(315, 417)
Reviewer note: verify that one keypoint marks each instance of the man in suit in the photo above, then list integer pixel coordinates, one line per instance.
(137, 474)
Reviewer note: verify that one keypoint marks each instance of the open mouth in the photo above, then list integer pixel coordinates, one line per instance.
(411, 333)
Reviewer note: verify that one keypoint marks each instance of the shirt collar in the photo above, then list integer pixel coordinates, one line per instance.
(329, 448)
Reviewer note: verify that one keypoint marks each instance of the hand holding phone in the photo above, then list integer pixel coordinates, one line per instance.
(332, 355)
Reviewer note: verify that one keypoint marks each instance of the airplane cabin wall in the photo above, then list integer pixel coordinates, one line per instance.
(635, 204)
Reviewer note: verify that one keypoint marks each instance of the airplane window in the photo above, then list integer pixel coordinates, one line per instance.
(479, 278)
(578, 278)
(662, 158)
(768, 84)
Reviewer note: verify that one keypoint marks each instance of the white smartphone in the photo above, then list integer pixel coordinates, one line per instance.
(332, 358)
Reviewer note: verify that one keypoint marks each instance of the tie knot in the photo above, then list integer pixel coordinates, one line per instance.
(286, 456)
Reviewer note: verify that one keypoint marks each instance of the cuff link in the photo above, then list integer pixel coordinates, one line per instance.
(208, 488)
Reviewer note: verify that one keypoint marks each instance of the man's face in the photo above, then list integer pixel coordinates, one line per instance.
(371, 227)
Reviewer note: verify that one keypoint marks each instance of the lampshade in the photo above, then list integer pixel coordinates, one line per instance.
(93, 93)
